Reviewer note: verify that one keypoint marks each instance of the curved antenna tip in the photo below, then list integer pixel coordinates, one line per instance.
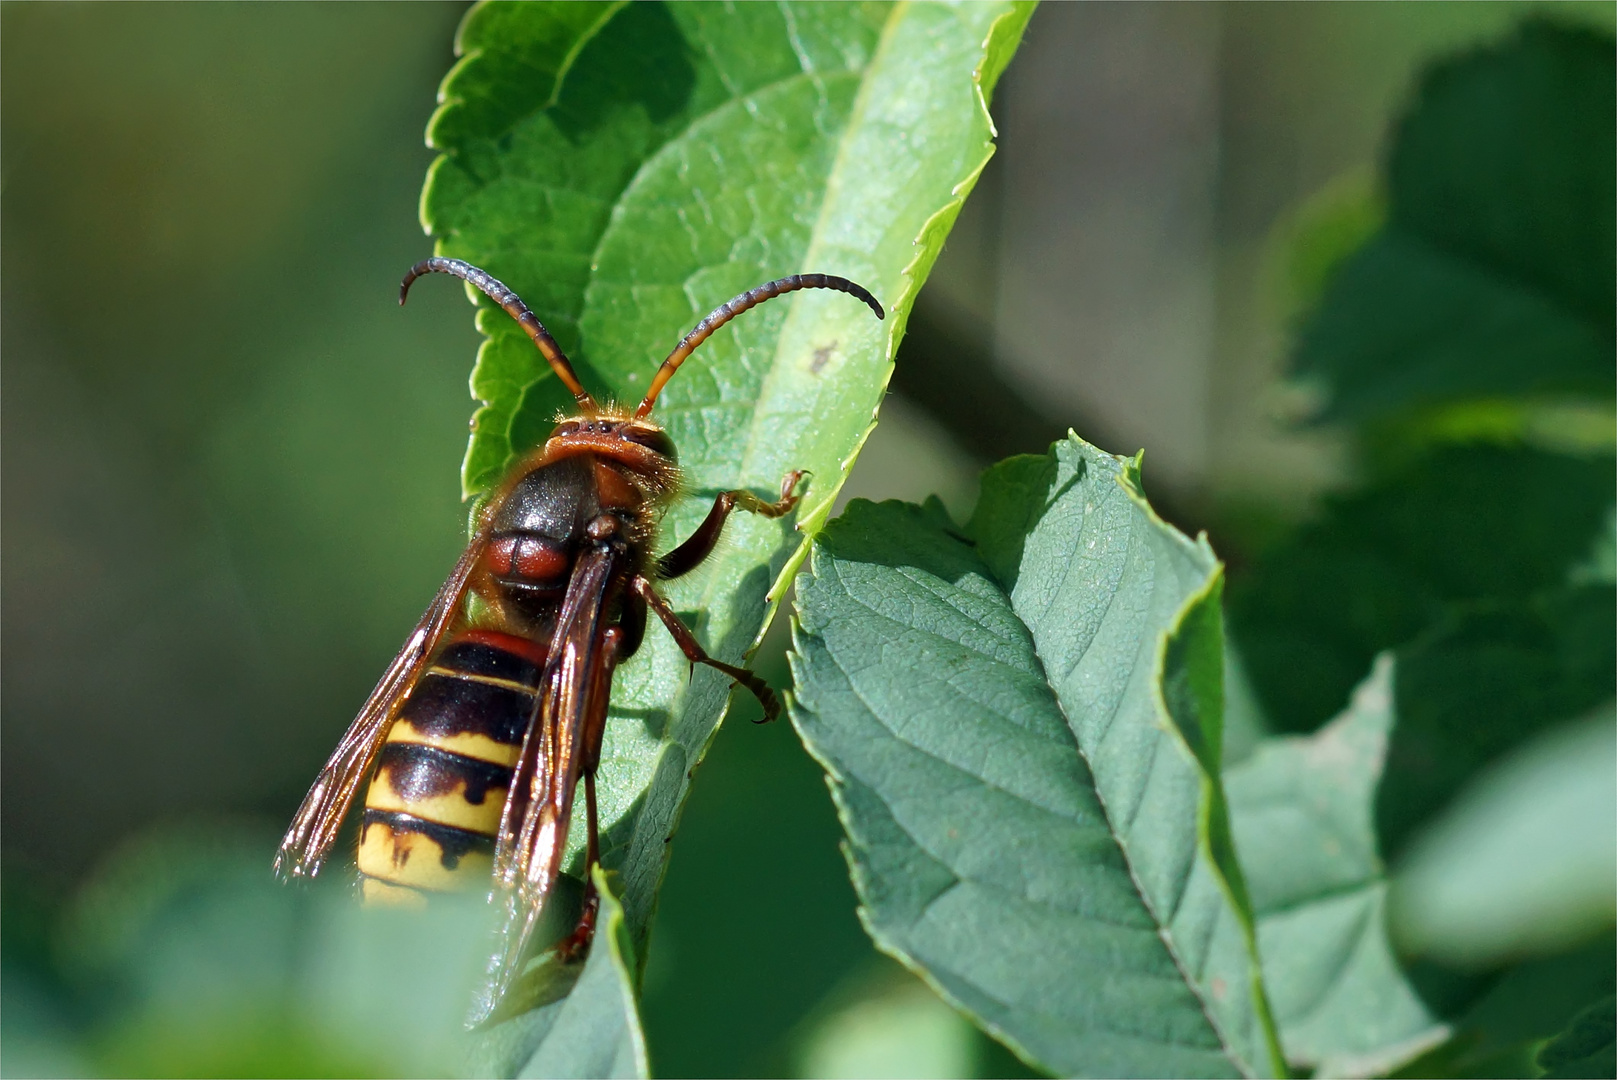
(745, 302)
(497, 291)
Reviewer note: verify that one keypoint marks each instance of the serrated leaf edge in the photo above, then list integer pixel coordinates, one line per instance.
(1128, 478)
(996, 43)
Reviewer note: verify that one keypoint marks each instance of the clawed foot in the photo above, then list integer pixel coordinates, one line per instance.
(577, 945)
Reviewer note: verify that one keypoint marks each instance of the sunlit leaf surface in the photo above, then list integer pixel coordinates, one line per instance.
(625, 170)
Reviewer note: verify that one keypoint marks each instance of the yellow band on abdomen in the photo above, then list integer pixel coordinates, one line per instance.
(405, 850)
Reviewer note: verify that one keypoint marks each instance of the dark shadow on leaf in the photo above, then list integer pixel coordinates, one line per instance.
(1004, 519)
(655, 721)
(659, 79)
(1482, 684)
(536, 412)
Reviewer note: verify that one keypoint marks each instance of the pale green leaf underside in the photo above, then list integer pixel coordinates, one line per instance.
(689, 152)
(1006, 722)
(1303, 812)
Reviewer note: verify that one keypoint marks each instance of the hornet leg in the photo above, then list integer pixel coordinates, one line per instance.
(577, 944)
(694, 652)
(689, 555)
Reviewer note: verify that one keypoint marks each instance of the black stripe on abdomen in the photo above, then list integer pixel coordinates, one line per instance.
(444, 705)
(417, 772)
(401, 849)
(480, 658)
(455, 843)
(443, 776)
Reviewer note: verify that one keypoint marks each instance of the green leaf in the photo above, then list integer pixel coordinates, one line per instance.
(1523, 865)
(1303, 813)
(654, 161)
(1601, 565)
(1310, 243)
(1588, 1047)
(1022, 730)
(1384, 564)
(1501, 1032)
(1523, 862)
(1484, 683)
(201, 964)
(1494, 274)
(592, 1031)
(512, 65)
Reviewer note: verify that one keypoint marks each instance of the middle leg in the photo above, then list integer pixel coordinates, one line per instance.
(689, 555)
(694, 652)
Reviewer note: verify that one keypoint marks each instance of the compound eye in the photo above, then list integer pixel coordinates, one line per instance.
(654, 439)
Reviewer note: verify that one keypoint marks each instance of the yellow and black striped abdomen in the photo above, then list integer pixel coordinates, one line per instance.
(441, 780)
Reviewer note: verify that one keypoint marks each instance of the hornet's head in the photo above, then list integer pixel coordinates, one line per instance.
(637, 443)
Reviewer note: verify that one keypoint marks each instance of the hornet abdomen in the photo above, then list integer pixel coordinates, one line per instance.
(433, 808)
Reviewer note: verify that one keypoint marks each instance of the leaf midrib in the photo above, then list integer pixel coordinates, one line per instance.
(778, 371)
(754, 434)
(1226, 1045)
(1160, 928)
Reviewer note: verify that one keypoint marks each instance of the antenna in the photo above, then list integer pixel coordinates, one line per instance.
(496, 291)
(730, 309)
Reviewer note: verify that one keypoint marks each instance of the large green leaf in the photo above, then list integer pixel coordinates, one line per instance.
(1303, 812)
(1022, 730)
(625, 169)
(1494, 273)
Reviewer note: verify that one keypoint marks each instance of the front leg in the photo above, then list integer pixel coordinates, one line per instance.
(694, 652)
(689, 555)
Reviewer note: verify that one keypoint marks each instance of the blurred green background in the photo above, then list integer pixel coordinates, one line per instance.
(230, 462)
